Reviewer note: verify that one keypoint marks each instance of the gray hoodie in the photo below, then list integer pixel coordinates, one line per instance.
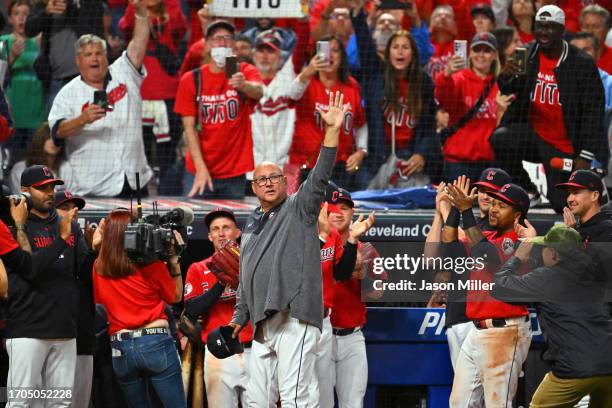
(280, 258)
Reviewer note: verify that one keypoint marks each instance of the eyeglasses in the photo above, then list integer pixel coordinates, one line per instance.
(274, 179)
(219, 38)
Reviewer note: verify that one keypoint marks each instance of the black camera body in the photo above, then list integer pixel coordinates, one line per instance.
(150, 239)
(5, 203)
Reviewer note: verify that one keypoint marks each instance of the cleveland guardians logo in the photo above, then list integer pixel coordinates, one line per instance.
(504, 188)
(490, 175)
(47, 171)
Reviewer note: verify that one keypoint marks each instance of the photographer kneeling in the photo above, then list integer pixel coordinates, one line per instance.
(134, 296)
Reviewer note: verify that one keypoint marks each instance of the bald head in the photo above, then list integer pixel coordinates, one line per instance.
(269, 185)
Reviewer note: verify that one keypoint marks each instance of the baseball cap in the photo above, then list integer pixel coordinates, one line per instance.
(64, 196)
(559, 235)
(221, 343)
(335, 195)
(493, 178)
(513, 195)
(37, 175)
(219, 212)
(550, 13)
(485, 9)
(269, 38)
(487, 39)
(583, 179)
(215, 25)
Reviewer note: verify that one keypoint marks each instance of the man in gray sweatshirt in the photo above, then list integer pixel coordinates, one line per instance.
(280, 275)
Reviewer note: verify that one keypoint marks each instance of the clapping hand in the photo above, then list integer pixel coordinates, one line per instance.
(336, 111)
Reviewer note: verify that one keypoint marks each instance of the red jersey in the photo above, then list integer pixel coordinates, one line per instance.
(135, 300)
(310, 129)
(605, 59)
(404, 124)
(7, 242)
(525, 37)
(330, 256)
(225, 138)
(169, 32)
(457, 94)
(545, 111)
(441, 55)
(200, 280)
(480, 304)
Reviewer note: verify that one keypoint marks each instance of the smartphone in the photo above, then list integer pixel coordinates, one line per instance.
(520, 58)
(460, 48)
(231, 66)
(101, 99)
(323, 51)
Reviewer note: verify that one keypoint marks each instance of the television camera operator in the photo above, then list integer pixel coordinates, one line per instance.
(134, 295)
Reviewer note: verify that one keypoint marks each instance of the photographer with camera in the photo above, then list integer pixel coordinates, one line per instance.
(98, 116)
(41, 326)
(134, 296)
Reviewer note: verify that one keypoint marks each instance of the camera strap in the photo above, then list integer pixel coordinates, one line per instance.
(197, 79)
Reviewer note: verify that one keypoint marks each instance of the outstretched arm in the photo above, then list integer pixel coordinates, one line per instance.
(138, 45)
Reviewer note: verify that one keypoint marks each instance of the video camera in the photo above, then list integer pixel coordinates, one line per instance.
(5, 203)
(150, 239)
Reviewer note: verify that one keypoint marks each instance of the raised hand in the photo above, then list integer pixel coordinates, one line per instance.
(98, 235)
(361, 226)
(459, 196)
(336, 111)
(65, 224)
(525, 232)
(323, 222)
(443, 203)
(568, 218)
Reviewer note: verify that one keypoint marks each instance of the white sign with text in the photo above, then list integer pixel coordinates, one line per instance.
(257, 8)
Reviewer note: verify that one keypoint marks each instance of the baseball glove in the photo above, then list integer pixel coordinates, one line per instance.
(225, 264)
(192, 329)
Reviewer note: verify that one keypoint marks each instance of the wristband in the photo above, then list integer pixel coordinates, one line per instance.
(452, 221)
(174, 275)
(20, 227)
(469, 220)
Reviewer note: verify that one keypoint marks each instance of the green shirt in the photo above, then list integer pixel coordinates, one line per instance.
(25, 91)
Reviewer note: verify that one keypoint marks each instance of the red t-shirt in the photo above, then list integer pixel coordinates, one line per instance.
(605, 59)
(480, 303)
(545, 111)
(7, 242)
(225, 138)
(135, 300)
(525, 37)
(310, 129)
(404, 124)
(330, 255)
(200, 280)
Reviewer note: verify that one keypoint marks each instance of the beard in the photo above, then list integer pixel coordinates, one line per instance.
(382, 38)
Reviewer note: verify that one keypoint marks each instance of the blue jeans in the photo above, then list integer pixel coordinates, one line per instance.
(231, 188)
(153, 357)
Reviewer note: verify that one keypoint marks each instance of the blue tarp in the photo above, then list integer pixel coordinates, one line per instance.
(397, 198)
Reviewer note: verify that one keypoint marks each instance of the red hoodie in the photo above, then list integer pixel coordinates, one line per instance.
(457, 94)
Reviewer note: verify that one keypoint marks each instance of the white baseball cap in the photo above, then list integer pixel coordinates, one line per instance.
(551, 13)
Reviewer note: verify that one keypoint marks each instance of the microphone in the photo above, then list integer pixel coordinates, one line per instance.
(180, 215)
(561, 163)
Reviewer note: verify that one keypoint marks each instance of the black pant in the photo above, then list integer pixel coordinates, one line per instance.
(517, 142)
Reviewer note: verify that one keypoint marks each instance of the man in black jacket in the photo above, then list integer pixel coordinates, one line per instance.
(61, 23)
(576, 325)
(43, 300)
(559, 108)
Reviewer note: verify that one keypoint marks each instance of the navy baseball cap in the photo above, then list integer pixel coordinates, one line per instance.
(335, 195)
(583, 179)
(269, 38)
(215, 25)
(219, 212)
(64, 196)
(482, 8)
(513, 195)
(493, 179)
(487, 39)
(221, 343)
(37, 175)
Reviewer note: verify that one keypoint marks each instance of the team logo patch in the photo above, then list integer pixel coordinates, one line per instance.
(507, 246)
(490, 175)
(188, 289)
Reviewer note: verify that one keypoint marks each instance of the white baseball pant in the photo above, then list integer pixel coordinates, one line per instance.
(351, 367)
(282, 362)
(41, 364)
(324, 370)
(456, 335)
(489, 365)
(83, 380)
(226, 379)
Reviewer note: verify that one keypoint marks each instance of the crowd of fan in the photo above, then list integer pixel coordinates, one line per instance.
(416, 107)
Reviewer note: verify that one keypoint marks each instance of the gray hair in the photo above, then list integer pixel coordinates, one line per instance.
(87, 39)
(595, 9)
